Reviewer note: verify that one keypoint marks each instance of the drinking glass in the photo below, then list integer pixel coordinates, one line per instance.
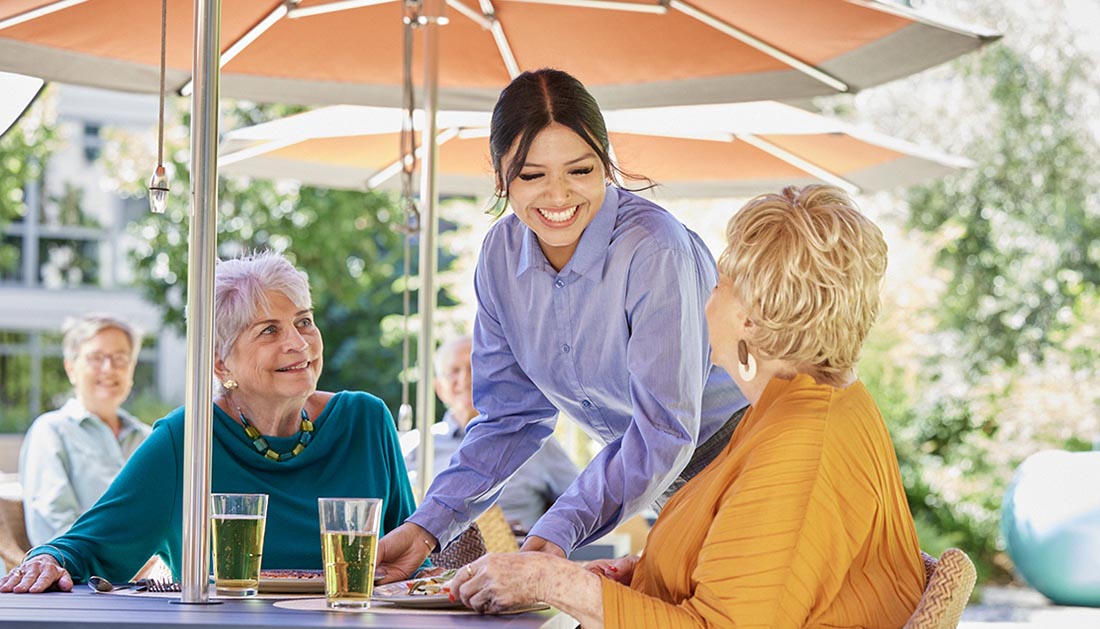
(349, 541)
(237, 523)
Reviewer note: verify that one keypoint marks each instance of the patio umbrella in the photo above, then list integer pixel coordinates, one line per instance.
(17, 92)
(348, 51)
(630, 53)
(692, 151)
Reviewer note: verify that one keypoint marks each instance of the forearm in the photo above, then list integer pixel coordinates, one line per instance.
(575, 591)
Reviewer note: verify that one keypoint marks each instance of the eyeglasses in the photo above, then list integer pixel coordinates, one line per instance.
(117, 360)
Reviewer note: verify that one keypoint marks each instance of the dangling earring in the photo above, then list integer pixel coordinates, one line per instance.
(229, 384)
(746, 366)
(499, 204)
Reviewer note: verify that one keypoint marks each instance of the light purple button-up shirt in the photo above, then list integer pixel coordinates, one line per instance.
(616, 341)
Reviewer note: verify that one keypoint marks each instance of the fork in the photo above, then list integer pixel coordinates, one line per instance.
(156, 585)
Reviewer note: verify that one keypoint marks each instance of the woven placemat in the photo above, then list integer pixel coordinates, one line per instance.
(465, 549)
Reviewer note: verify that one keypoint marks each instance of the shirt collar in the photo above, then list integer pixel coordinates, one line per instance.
(76, 412)
(588, 260)
(452, 424)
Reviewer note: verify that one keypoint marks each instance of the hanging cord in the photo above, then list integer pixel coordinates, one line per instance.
(163, 65)
(411, 224)
(158, 184)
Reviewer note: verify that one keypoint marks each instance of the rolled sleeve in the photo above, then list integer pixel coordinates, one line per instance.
(514, 419)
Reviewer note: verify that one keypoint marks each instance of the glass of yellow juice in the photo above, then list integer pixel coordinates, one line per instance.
(349, 541)
(237, 524)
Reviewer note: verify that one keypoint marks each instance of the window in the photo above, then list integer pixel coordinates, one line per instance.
(93, 142)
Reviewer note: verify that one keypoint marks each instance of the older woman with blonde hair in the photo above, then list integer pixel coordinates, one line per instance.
(802, 521)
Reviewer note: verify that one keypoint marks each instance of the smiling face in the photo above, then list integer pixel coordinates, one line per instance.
(558, 191)
(103, 372)
(277, 356)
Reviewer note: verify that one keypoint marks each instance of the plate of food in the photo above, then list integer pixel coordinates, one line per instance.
(427, 592)
(292, 581)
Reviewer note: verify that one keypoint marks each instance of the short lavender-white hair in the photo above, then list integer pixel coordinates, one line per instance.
(240, 293)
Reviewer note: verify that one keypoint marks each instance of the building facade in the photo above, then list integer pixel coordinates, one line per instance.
(73, 253)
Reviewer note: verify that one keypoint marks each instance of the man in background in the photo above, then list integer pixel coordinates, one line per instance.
(534, 487)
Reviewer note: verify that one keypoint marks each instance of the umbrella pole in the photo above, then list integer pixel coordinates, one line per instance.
(429, 258)
(202, 241)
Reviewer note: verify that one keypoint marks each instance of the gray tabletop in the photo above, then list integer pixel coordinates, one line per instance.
(81, 608)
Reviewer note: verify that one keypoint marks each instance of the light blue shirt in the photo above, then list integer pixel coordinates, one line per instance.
(617, 341)
(68, 459)
(527, 494)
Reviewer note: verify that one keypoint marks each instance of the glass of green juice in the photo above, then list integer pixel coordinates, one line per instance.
(237, 524)
(349, 541)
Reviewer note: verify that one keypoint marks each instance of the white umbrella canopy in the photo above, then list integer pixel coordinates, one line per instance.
(692, 151)
(17, 92)
(356, 147)
(630, 53)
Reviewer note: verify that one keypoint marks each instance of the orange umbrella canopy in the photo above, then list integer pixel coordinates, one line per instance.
(692, 151)
(628, 52)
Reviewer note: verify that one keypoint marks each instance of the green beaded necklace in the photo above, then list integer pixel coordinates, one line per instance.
(305, 435)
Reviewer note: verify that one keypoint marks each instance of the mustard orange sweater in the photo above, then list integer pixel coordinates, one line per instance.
(801, 522)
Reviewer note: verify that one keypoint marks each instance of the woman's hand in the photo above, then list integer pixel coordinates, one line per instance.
(35, 575)
(402, 551)
(499, 582)
(538, 544)
(620, 570)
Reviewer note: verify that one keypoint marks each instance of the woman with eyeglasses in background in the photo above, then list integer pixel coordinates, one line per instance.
(70, 455)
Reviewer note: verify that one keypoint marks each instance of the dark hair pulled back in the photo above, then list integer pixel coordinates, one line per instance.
(533, 101)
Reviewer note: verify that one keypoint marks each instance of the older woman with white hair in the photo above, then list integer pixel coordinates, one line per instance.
(70, 455)
(273, 433)
(802, 520)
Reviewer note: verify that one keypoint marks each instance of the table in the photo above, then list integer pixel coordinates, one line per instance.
(81, 609)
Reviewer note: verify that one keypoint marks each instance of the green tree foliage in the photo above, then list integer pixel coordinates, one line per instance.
(24, 149)
(346, 241)
(1023, 228)
(1017, 243)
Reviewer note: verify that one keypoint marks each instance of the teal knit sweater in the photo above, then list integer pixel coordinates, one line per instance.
(354, 453)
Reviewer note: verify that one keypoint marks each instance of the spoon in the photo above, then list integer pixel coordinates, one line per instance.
(99, 584)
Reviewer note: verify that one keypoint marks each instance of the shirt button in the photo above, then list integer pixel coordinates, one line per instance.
(586, 404)
(559, 284)
(565, 348)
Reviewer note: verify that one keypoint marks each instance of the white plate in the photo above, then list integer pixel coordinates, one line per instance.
(397, 593)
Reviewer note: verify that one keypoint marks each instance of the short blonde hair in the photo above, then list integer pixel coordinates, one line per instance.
(807, 266)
